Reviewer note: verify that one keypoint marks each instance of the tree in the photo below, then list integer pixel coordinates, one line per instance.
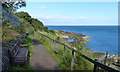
(35, 23)
(13, 5)
(24, 15)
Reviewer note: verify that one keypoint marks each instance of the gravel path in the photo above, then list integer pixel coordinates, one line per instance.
(41, 59)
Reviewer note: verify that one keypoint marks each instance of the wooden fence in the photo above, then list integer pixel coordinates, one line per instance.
(97, 64)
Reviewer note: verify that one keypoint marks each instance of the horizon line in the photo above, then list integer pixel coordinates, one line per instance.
(79, 25)
(82, 25)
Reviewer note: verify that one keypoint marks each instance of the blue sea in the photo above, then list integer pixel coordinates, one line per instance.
(104, 38)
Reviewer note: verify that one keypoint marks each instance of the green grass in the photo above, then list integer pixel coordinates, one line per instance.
(22, 68)
(29, 42)
(63, 57)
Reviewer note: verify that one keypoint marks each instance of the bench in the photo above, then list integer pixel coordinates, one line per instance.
(19, 55)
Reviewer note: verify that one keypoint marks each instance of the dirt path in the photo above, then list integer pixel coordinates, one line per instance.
(41, 59)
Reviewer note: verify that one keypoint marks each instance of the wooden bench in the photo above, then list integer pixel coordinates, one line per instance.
(19, 55)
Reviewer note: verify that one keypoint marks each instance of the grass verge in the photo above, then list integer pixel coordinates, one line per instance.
(63, 56)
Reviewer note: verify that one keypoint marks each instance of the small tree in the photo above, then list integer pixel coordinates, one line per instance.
(12, 6)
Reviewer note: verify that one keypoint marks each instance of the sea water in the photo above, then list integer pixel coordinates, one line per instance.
(104, 38)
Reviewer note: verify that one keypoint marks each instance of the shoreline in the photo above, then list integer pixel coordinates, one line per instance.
(87, 37)
(73, 34)
(100, 56)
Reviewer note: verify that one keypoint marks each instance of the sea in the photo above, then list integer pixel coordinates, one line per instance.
(104, 38)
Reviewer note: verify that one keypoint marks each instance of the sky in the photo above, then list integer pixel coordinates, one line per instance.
(73, 13)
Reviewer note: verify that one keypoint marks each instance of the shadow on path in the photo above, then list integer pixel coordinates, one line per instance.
(36, 42)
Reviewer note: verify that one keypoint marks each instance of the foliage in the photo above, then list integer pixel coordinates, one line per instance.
(63, 56)
(29, 42)
(25, 26)
(8, 33)
(23, 15)
(36, 24)
(27, 19)
(52, 31)
(20, 68)
(13, 5)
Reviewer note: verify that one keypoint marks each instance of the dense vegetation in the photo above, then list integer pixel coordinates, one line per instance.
(9, 32)
(28, 24)
(28, 20)
(63, 57)
(12, 6)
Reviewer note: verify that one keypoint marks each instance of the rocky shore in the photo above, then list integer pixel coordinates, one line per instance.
(110, 58)
(73, 35)
(101, 57)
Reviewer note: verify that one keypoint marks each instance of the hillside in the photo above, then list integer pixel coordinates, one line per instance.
(29, 24)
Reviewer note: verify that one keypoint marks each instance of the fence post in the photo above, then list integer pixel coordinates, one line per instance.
(56, 44)
(42, 38)
(73, 57)
(106, 58)
(96, 68)
(56, 47)
(64, 48)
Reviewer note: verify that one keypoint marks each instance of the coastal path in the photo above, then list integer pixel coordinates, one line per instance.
(41, 59)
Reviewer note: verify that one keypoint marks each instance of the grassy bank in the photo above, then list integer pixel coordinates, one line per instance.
(63, 56)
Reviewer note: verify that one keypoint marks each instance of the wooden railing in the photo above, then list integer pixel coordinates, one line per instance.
(97, 64)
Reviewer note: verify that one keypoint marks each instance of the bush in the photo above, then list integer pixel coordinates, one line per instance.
(52, 31)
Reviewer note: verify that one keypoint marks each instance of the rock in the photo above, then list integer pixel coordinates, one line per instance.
(111, 56)
(100, 55)
(64, 37)
(116, 58)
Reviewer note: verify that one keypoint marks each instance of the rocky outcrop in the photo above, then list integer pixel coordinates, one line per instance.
(72, 34)
(113, 60)
(101, 57)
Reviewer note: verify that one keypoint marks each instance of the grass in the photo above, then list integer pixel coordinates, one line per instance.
(22, 68)
(29, 41)
(63, 56)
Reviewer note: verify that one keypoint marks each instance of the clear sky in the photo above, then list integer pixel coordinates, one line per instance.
(74, 13)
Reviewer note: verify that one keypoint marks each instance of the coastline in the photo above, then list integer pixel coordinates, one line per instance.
(104, 38)
(87, 37)
(101, 57)
(73, 35)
